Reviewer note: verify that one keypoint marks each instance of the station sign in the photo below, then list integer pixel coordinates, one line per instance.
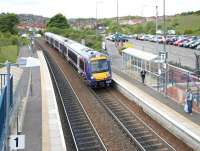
(163, 56)
(17, 142)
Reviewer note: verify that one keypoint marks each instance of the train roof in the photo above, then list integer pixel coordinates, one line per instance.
(82, 50)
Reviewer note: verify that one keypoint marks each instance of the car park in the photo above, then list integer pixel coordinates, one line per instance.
(192, 42)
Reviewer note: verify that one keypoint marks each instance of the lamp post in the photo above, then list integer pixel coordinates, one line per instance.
(117, 14)
(197, 56)
(7, 101)
(156, 28)
(97, 2)
(164, 48)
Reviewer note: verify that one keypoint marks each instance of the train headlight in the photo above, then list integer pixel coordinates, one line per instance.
(92, 77)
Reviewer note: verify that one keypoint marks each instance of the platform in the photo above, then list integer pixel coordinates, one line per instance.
(165, 111)
(52, 134)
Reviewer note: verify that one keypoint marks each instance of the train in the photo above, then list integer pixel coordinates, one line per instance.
(93, 66)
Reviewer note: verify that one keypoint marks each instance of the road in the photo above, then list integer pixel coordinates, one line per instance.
(185, 56)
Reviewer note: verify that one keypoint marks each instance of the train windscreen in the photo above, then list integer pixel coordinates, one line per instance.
(99, 66)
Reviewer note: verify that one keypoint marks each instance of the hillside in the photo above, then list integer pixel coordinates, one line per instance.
(31, 19)
(185, 24)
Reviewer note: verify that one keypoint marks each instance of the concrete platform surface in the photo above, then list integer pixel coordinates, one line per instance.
(178, 124)
(52, 134)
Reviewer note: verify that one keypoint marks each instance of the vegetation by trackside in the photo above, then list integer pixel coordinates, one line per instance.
(9, 52)
(8, 23)
(9, 38)
(91, 39)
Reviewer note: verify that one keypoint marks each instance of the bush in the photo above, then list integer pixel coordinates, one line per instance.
(188, 31)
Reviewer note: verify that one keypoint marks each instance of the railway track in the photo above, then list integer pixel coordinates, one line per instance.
(142, 135)
(84, 135)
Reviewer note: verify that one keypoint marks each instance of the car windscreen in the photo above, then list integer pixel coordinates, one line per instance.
(99, 66)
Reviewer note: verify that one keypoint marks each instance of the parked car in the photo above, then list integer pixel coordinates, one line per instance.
(119, 37)
(198, 47)
(186, 45)
(176, 43)
(171, 40)
(183, 41)
(194, 45)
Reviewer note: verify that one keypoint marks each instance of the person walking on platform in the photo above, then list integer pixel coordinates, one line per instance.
(143, 74)
(186, 105)
(189, 97)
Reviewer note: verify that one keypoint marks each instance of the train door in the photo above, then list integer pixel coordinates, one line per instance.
(82, 66)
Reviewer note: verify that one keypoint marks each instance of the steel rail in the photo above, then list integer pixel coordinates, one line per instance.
(84, 134)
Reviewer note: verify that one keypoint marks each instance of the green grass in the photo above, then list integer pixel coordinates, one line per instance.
(9, 53)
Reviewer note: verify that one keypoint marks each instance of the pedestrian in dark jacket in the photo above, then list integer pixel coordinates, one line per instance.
(189, 97)
(143, 74)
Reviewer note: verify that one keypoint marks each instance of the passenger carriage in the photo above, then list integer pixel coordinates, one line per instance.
(92, 65)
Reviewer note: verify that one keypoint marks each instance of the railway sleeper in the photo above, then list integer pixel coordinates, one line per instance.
(153, 146)
(96, 147)
(162, 149)
(117, 109)
(126, 116)
(119, 112)
(74, 114)
(74, 110)
(88, 142)
(134, 129)
(85, 130)
(82, 122)
(76, 119)
(127, 119)
(130, 122)
(144, 137)
(71, 111)
(140, 132)
(79, 126)
(112, 104)
(67, 99)
(149, 141)
(83, 135)
(86, 138)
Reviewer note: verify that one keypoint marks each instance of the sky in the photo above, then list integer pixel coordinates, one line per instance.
(105, 8)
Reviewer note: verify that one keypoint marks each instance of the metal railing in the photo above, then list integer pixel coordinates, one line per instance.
(3, 101)
(178, 81)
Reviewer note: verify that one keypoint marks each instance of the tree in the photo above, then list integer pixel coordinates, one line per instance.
(139, 29)
(8, 23)
(150, 28)
(58, 21)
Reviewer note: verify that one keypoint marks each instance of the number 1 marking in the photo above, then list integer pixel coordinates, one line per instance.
(17, 139)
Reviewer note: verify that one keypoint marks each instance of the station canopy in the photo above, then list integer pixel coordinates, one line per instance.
(140, 54)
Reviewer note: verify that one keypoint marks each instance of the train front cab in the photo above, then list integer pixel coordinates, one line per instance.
(99, 70)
